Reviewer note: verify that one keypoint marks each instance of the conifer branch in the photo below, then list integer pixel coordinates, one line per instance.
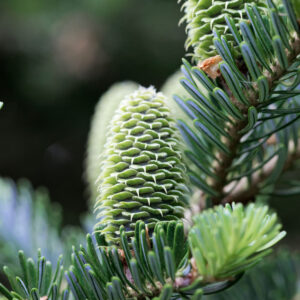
(245, 195)
(225, 161)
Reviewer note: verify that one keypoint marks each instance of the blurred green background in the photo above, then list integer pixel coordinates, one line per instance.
(57, 58)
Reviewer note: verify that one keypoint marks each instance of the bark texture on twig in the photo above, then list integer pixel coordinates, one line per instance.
(247, 194)
(225, 161)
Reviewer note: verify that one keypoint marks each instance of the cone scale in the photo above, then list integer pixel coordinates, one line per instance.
(202, 16)
(143, 176)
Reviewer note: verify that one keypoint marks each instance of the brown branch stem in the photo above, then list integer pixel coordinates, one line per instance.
(233, 143)
(245, 194)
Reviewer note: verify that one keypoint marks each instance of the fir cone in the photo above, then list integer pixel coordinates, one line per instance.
(202, 16)
(143, 176)
(103, 114)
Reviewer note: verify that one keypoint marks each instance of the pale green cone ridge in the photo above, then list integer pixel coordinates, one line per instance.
(171, 87)
(202, 16)
(142, 174)
(103, 114)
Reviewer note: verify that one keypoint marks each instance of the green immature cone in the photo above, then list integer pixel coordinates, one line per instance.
(173, 87)
(103, 114)
(142, 174)
(204, 16)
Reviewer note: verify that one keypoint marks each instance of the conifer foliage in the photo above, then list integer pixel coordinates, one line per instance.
(173, 218)
(247, 116)
(205, 16)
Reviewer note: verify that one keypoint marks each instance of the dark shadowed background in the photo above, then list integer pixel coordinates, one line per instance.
(56, 59)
